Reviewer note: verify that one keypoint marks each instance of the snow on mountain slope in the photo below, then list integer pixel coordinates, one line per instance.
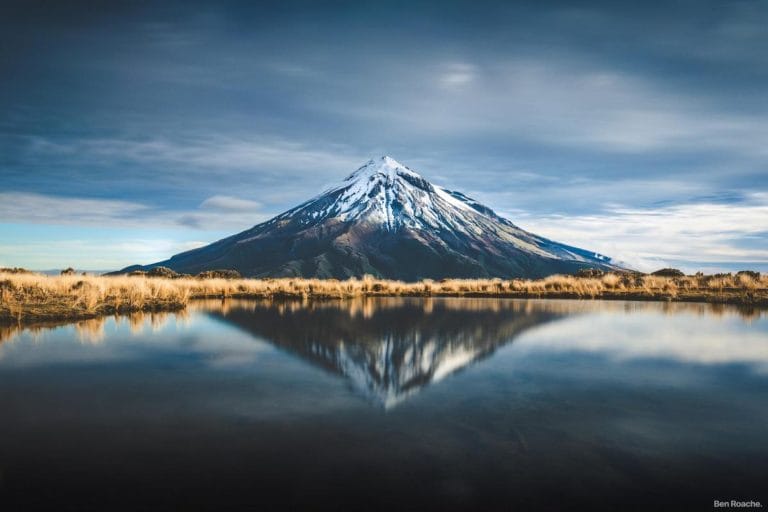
(387, 220)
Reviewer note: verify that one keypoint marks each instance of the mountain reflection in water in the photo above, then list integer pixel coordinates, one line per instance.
(258, 405)
(388, 348)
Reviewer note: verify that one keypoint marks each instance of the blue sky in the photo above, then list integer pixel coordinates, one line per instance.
(130, 131)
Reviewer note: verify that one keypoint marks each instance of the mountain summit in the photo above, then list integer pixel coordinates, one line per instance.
(386, 220)
(390, 194)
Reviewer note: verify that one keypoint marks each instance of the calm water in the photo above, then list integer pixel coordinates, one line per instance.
(396, 404)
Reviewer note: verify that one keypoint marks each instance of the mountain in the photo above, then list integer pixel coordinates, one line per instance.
(386, 220)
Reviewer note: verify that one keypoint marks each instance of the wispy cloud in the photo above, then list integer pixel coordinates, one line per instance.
(557, 103)
(215, 213)
(178, 171)
(200, 153)
(224, 212)
(219, 202)
(456, 75)
(692, 234)
(46, 209)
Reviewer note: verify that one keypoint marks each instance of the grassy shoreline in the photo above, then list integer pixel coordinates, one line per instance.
(29, 297)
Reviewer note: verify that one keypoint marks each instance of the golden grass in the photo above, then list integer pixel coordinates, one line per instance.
(33, 297)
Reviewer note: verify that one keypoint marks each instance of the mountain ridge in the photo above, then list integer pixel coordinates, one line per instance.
(387, 220)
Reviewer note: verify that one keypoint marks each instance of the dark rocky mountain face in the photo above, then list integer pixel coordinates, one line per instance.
(388, 221)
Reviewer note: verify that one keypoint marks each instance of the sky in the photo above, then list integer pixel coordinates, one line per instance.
(130, 131)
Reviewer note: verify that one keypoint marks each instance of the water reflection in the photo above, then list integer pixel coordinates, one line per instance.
(599, 405)
(388, 348)
(92, 330)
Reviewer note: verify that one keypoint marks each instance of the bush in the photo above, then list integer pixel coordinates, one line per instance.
(162, 272)
(68, 271)
(748, 273)
(668, 272)
(219, 274)
(590, 272)
(14, 270)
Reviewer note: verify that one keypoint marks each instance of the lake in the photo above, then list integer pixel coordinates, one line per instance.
(388, 404)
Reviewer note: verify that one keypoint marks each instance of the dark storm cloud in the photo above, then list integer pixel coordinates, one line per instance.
(539, 108)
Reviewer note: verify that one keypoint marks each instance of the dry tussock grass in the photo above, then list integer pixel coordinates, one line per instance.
(27, 297)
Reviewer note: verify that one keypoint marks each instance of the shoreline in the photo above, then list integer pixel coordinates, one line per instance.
(33, 298)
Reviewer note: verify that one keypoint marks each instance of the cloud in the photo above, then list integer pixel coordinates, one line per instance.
(170, 171)
(456, 75)
(697, 234)
(217, 212)
(230, 203)
(200, 153)
(557, 102)
(45, 209)
(225, 212)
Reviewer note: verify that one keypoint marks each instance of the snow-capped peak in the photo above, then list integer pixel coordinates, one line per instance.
(385, 191)
(384, 167)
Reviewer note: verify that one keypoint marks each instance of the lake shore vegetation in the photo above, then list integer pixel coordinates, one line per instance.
(31, 297)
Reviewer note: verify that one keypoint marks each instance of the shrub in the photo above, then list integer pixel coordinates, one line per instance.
(668, 272)
(590, 272)
(69, 271)
(162, 272)
(219, 274)
(611, 280)
(14, 270)
(746, 280)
